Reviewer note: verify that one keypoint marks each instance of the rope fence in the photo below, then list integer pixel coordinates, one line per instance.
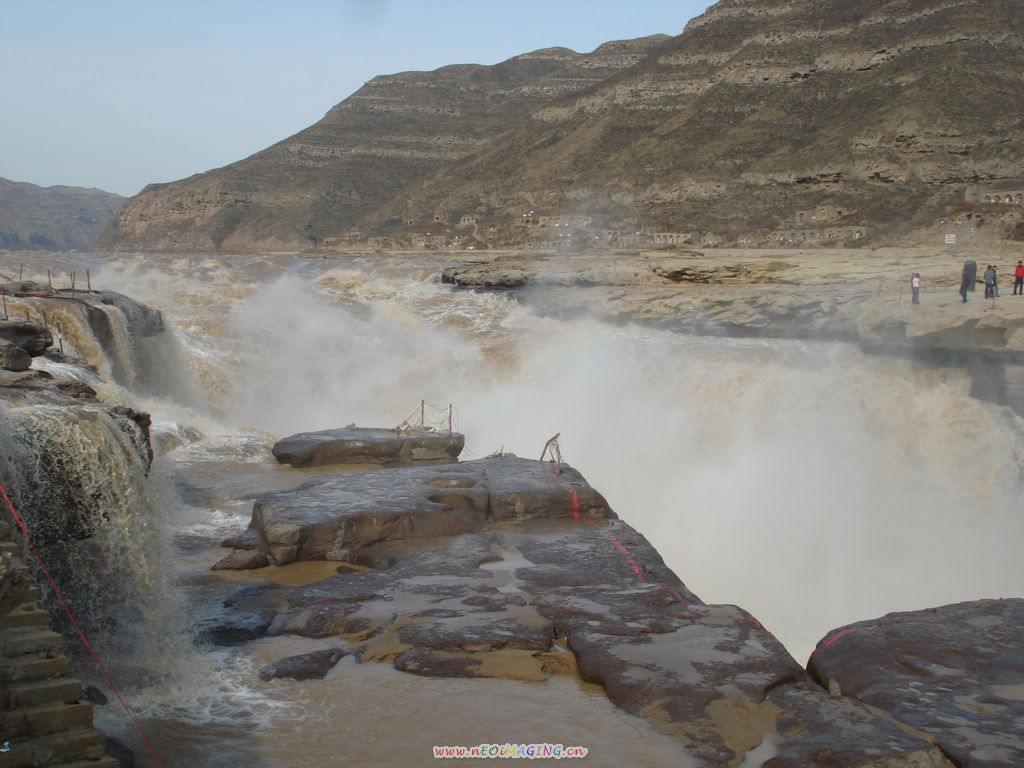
(431, 418)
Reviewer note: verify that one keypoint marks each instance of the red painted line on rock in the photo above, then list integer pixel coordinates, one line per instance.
(619, 545)
(611, 537)
(683, 603)
(633, 564)
(847, 631)
(840, 634)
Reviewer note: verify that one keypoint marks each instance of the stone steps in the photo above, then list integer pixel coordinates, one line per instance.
(43, 721)
(28, 722)
(33, 693)
(82, 746)
(34, 668)
(26, 616)
(26, 641)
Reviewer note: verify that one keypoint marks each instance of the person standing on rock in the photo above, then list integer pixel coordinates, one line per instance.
(915, 287)
(1018, 279)
(965, 282)
(990, 282)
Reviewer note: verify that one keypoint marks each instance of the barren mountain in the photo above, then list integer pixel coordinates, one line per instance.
(886, 109)
(53, 218)
(885, 113)
(394, 131)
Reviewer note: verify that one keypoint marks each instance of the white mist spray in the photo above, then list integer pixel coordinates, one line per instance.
(811, 484)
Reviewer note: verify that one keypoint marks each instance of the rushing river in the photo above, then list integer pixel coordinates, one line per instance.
(808, 483)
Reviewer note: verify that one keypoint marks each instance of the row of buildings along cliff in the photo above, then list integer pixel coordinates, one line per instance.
(579, 231)
(823, 225)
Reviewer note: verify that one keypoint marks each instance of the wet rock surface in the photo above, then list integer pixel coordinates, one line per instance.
(334, 518)
(352, 445)
(31, 337)
(954, 674)
(307, 666)
(14, 357)
(233, 629)
(527, 573)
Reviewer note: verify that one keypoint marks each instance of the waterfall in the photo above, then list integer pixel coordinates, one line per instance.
(79, 473)
(78, 478)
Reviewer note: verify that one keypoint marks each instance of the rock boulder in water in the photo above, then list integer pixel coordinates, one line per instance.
(336, 517)
(955, 674)
(142, 320)
(13, 357)
(368, 446)
(233, 629)
(31, 337)
(242, 560)
(307, 666)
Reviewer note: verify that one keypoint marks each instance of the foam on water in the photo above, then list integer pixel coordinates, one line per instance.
(811, 484)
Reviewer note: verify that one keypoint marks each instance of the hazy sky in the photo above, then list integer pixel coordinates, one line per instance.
(116, 94)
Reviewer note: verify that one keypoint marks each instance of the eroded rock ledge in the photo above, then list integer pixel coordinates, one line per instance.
(506, 567)
(849, 295)
(353, 445)
(954, 674)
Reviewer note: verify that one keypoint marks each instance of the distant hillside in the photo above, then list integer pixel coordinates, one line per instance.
(53, 218)
(764, 118)
(395, 131)
(884, 111)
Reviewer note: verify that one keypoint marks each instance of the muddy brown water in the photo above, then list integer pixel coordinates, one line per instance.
(808, 483)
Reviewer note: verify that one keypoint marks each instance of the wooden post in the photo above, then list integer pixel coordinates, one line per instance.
(548, 445)
(21, 272)
(72, 282)
(423, 413)
(49, 280)
(5, 306)
(88, 281)
(449, 419)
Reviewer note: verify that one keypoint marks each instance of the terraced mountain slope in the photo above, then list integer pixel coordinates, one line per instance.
(394, 131)
(888, 112)
(884, 109)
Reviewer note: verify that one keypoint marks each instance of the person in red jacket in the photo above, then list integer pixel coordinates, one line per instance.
(1018, 279)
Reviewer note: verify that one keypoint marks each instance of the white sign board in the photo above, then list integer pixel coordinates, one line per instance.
(950, 239)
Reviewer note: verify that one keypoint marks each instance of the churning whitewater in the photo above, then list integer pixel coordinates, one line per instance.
(806, 482)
